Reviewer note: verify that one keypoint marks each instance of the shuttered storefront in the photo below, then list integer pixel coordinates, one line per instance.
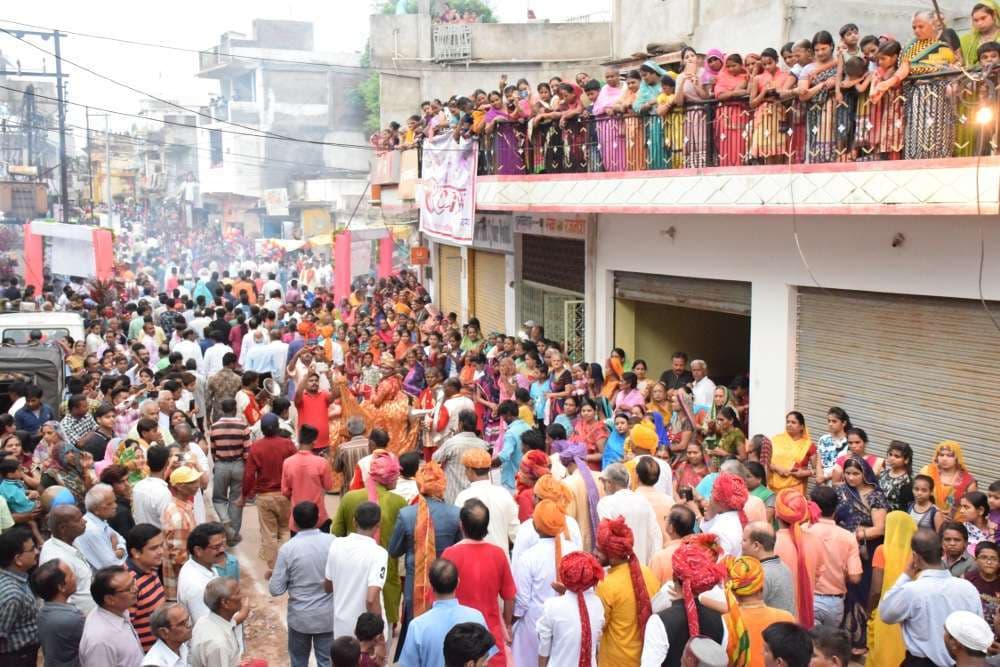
(449, 279)
(916, 369)
(489, 289)
(723, 296)
(553, 279)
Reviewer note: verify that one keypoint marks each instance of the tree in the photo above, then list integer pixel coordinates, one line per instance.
(477, 7)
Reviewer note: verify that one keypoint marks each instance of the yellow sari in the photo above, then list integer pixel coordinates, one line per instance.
(885, 642)
(788, 453)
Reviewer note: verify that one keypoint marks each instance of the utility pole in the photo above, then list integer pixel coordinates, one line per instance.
(107, 180)
(63, 176)
(90, 170)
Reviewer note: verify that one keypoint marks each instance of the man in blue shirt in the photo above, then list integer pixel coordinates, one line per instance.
(34, 413)
(424, 645)
(510, 455)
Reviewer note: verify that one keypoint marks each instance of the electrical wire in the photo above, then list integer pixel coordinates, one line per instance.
(432, 66)
(982, 240)
(55, 100)
(255, 131)
(795, 227)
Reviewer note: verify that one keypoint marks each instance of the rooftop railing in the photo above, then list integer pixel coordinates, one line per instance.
(928, 117)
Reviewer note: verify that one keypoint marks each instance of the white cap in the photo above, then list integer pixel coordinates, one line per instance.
(969, 630)
(708, 652)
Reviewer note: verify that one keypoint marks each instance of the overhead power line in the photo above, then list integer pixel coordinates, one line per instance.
(253, 130)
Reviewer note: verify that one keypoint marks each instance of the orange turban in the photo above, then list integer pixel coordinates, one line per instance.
(550, 521)
(431, 480)
(477, 458)
(643, 436)
(745, 576)
(579, 571)
(549, 488)
(730, 491)
(615, 540)
(792, 508)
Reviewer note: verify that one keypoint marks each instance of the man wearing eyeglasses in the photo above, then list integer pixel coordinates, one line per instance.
(171, 624)
(108, 635)
(18, 612)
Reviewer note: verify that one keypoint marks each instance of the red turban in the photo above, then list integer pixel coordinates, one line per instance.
(615, 540)
(534, 464)
(384, 470)
(730, 491)
(696, 569)
(579, 571)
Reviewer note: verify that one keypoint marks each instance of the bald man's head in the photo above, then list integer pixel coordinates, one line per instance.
(66, 523)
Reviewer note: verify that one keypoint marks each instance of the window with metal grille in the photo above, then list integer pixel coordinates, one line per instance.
(568, 272)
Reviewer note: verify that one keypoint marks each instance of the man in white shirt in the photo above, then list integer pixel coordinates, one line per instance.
(923, 597)
(189, 349)
(559, 628)
(206, 549)
(214, 354)
(100, 543)
(355, 572)
(271, 285)
(729, 495)
(504, 522)
(66, 524)
(215, 641)
(278, 351)
(258, 357)
(151, 495)
(171, 625)
(703, 387)
(620, 501)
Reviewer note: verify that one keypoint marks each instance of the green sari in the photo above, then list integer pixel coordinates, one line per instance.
(971, 41)
(343, 523)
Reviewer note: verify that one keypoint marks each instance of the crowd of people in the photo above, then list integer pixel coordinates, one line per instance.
(498, 502)
(824, 99)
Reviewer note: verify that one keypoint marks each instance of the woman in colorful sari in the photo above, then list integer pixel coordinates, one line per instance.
(721, 398)
(818, 90)
(644, 107)
(730, 440)
(575, 132)
(794, 458)
(857, 445)
(730, 118)
(632, 134)
(888, 562)
(500, 124)
(392, 409)
(659, 401)
(985, 28)
(414, 380)
(951, 478)
(68, 466)
(690, 471)
(486, 396)
(560, 386)
(930, 108)
(681, 428)
(691, 94)
(590, 430)
(769, 91)
(861, 509)
(608, 126)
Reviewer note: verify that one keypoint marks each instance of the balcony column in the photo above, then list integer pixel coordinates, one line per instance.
(772, 354)
(385, 248)
(342, 265)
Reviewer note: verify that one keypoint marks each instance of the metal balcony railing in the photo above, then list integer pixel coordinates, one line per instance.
(935, 116)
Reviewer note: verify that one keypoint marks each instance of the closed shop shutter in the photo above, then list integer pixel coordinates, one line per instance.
(723, 296)
(449, 279)
(537, 262)
(916, 369)
(489, 291)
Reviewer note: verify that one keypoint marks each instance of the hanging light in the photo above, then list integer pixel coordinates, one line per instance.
(984, 115)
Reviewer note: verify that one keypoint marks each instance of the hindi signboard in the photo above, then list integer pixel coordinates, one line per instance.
(446, 193)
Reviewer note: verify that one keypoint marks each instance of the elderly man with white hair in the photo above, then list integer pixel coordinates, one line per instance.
(620, 501)
(100, 544)
(215, 641)
(150, 409)
(703, 387)
(171, 625)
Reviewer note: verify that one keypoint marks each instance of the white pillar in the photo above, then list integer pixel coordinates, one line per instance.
(772, 355)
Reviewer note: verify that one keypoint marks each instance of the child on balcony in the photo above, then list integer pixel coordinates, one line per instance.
(854, 82)
(849, 47)
(869, 49)
(884, 124)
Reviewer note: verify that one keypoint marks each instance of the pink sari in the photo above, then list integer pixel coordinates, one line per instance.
(609, 130)
(730, 120)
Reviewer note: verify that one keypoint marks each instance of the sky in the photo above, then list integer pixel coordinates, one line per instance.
(340, 25)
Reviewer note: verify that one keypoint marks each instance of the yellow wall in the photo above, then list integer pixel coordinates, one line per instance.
(722, 340)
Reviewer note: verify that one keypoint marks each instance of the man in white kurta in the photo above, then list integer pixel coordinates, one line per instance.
(534, 571)
(504, 524)
(355, 565)
(559, 628)
(528, 537)
(620, 501)
(729, 495)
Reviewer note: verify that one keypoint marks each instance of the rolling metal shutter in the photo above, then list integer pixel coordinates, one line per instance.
(449, 279)
(917, 369)
(489, 291)
(722, 296)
